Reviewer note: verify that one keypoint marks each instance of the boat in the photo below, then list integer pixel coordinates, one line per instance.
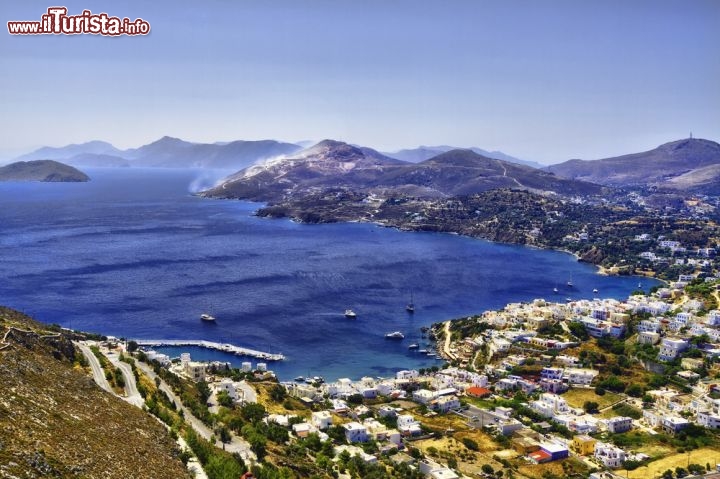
(570, 284)
(568, 300)
(207, 317)
(349, 313)
(395, 335)
(410, 308)
(595, 290)
(422, 351)
(639, 285)
(555, 290)
(414, 346)
(300, 379)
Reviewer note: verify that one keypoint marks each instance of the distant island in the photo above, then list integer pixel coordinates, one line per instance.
(41, 170)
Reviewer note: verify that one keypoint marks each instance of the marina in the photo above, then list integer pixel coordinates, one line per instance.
(224, 347)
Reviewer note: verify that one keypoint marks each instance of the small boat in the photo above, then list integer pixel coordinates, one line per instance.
(595, 290)
(555, 290)
(639, 285)
(349, 313)
(207, 317)
(300, 379)
(395, 335)
(422, 351)
(568, 300)
(414, 346)
(570, 284)
(410, 308)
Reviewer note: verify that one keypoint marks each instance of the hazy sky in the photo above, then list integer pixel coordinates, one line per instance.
(541, 80)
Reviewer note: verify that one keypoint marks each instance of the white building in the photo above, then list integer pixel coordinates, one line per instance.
(619, 424)
(321, 420)
(407, 374)
(709, 420)
(355, 432)
(423, 396)
(611, 456)
(646, 337)
(580, 375)
(444, 404)
(670, 348)
(550, 405)
(407, 425)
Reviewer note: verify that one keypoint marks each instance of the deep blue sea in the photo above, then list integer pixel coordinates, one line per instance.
(134, 254)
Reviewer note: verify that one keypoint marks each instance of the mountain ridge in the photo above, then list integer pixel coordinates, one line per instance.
(423, 152)
(653, 168)
(331, 163)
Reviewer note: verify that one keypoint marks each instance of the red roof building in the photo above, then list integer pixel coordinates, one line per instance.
(478, 392)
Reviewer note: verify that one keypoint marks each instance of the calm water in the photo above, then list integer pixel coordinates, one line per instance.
(133, 254)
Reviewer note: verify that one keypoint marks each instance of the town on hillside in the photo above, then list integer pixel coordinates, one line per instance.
(599, 388)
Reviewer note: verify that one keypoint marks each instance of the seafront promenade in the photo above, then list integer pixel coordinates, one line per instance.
(225, 347)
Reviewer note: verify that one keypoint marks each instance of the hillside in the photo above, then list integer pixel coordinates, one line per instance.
(332, 163)
(661, 167)
(55, 422)
(422, 153)
(41, 170)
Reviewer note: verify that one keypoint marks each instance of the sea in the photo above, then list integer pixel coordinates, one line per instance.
(134, 253)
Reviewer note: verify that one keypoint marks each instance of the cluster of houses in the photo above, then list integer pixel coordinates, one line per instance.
(680, 255)
(518, 333)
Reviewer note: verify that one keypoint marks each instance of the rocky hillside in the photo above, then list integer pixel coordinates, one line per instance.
(688, 165)
(41, 170)
(332, 163)
(55, 422)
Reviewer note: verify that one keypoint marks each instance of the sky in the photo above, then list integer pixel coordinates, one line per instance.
(542, 80)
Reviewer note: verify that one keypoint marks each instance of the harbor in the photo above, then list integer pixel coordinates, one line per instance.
(224, 347)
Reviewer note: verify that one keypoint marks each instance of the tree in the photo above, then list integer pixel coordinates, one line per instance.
(591, 407)
(252, 412)
(224, 434)
(224, 399)
(278, 393)
(487, 469)
(221, 467)
(635, 390)
(132, 346)
(470, 444)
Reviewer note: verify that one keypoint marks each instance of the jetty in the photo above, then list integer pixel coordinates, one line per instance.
(227, 348)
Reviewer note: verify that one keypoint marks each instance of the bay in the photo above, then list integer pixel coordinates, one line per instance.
(134, 254)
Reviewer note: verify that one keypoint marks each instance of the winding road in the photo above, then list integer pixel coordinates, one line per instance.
(97, 370)
(236, 445)
(132, 394)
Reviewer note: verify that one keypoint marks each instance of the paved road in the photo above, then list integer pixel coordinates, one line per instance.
(237, 444)
(132, 394)
(249, 394)
(97, 370)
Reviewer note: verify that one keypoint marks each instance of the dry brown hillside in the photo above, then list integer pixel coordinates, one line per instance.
(55, 422)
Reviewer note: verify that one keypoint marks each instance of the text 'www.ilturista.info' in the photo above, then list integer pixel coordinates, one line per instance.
(57, 22)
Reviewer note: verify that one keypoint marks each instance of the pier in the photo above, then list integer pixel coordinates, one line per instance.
(227, 348)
